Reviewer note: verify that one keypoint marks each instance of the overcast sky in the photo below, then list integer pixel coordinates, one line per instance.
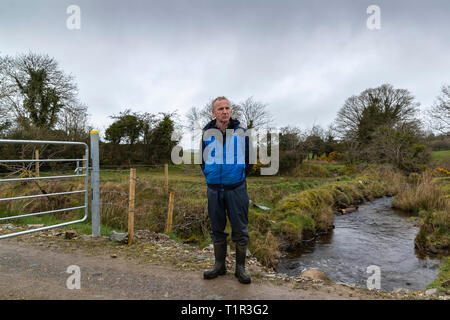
(302, 58)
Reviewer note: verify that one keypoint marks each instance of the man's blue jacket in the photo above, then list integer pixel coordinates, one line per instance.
(233, 169)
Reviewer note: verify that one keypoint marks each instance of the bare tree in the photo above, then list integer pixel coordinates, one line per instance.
(5, 91)
(254, 114)
(197, 118)
(315, 142)
(34, 89)
(293, 149)
(401, 145)
(74, 122)
(361, 115)
(251, 114)
(440, 111)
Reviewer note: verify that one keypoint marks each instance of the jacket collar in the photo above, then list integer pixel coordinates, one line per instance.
(233, 124)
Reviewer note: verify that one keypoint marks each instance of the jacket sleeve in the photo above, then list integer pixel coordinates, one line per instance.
(202, 148)
(248, 166)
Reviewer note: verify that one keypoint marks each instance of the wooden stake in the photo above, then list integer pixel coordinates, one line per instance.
(83, 163)
(166, 181)
(169, 213)
(36, 156)
(131, 206)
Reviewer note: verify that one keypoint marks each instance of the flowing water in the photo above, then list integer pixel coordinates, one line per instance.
(375, 234)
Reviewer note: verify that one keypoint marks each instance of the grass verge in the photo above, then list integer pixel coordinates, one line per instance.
(427, 196)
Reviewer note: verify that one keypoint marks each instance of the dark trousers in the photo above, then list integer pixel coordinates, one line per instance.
(234, 204)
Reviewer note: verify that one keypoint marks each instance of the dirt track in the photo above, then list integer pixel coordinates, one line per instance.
(31, 270)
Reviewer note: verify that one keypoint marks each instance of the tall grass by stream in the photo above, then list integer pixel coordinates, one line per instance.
(424, 194)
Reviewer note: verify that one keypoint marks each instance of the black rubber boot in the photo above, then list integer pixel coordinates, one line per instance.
(241, 252)
(220, 267)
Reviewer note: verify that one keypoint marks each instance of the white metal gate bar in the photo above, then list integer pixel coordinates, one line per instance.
(43, 178)
(42, 195)
(85, 191)
(41, 213)
(40, 160)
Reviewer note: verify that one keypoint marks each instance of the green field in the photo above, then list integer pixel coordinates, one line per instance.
(301, 204)
(441, 155)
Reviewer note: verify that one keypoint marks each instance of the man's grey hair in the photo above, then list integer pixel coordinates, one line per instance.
(218, 99)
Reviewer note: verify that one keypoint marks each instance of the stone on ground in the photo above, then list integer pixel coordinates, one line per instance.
(314, 274)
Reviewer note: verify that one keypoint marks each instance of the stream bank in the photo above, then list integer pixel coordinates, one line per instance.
(375, 234)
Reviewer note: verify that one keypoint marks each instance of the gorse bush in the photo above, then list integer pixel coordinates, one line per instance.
(441, 172)
(307, 169)
(332, 156)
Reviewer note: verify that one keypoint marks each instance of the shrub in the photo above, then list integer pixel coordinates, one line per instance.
(289, 160)
(264, 248)
(421, 194)
(307, 169)
(434, 232)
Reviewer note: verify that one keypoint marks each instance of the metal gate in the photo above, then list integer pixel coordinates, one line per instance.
(85, 167)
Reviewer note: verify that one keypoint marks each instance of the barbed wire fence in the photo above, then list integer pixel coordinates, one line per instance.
(151, 206)
(153, 209)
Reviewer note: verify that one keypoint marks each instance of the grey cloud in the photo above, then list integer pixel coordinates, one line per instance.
(303, 58)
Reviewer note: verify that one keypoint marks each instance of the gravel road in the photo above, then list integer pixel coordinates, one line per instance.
(29, 271)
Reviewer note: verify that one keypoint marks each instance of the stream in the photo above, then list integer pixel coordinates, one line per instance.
(375, 234)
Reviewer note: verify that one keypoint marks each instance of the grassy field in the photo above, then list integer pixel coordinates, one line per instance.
(441, 155)
(301, 204)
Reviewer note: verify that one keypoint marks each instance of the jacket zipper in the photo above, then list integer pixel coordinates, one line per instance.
(223, 156)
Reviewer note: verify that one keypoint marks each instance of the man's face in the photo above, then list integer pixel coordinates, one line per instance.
(222, 110)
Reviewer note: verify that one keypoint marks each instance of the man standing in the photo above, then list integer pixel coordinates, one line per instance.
(225, 176)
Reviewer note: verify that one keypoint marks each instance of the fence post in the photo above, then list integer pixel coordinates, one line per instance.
(166, 180)
(36, 156)
(169, 213)
(131, 205)
(95, 183)
(83, 163)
